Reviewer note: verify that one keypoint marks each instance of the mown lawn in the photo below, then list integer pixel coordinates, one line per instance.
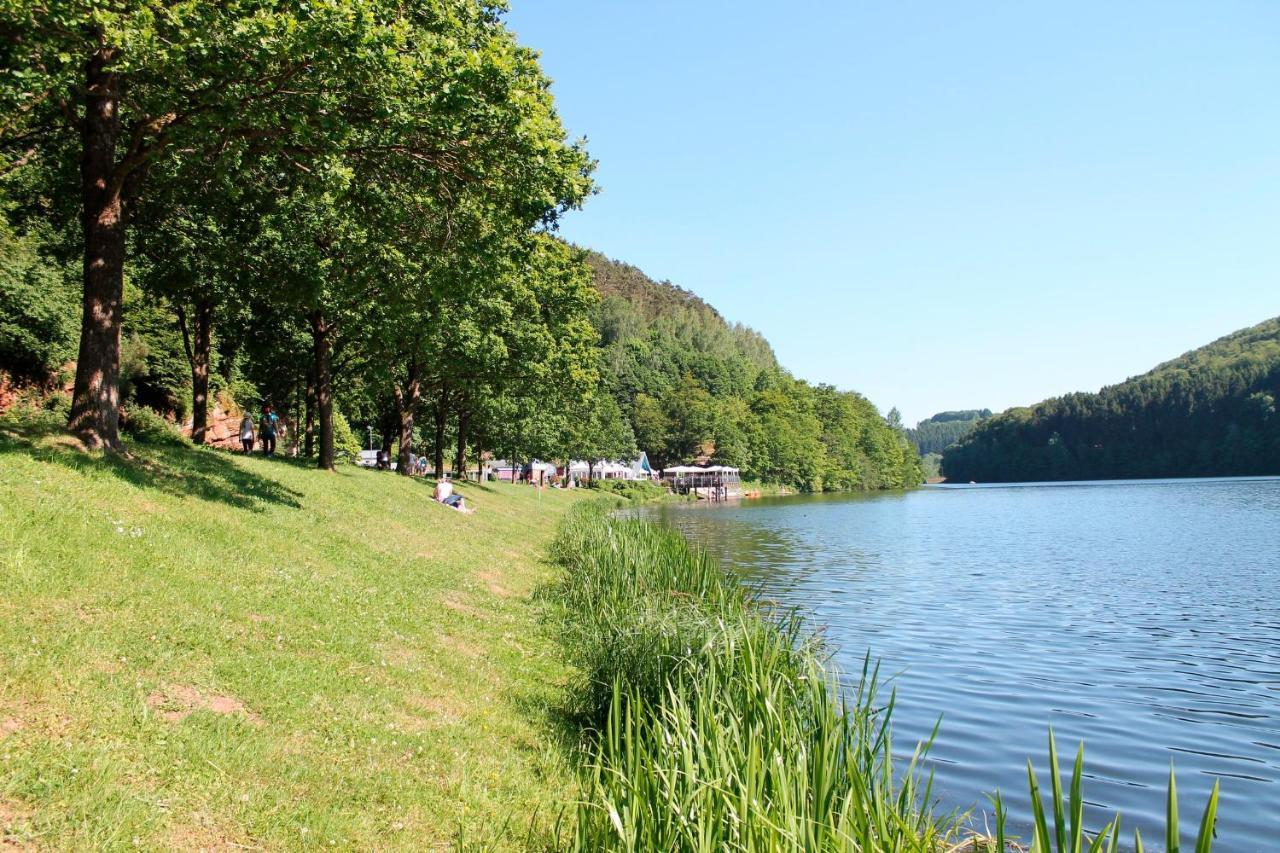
(203, 651)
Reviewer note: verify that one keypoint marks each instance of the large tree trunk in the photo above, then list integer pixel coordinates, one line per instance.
(406, 404)
(442, 414)
(321, 336)
(200, 352)
(460, 458)
(95, 401)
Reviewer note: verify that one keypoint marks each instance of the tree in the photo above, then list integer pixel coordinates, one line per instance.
(116, 85)
(599, 432)
(436, 96)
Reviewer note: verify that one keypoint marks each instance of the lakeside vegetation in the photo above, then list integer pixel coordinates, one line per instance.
(711, 722)
(201, 650)
(1210, 412)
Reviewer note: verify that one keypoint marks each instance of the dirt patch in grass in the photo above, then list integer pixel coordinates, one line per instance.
(197, 835)
(177, 702)
(493, 582)
(457, 604)
(15, 829)
(431, 711)
(461, 646)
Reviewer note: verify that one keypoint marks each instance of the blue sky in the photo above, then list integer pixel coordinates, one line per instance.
(941, 205)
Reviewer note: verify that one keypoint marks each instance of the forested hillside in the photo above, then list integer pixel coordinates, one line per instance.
(693, 386)
(1211, 412)
(937, 433)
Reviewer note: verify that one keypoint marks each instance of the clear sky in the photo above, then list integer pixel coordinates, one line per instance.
(942, 205)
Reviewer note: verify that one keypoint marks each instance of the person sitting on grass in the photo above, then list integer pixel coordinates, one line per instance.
(444, 494)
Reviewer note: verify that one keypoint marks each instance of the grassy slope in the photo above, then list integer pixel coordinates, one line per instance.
(393, 677)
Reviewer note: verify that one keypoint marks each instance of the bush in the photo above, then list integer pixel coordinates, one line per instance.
(632, 490)
(38, 306)
(147, 427)
(346, 447)
(59, 403)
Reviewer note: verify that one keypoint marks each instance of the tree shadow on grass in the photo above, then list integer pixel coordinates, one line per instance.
(174, 468)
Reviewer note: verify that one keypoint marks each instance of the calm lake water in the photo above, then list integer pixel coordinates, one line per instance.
(1142, 617)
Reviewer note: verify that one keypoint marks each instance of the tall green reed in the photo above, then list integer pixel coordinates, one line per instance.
(1067, 826)
(714, 723)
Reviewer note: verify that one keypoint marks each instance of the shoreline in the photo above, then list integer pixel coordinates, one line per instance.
(657, 630)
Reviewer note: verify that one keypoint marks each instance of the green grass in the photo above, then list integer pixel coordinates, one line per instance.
(199, 649)
(203, 651)
(711, 724)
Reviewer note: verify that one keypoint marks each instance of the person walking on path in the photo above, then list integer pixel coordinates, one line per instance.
(246, 433)
(267, 430)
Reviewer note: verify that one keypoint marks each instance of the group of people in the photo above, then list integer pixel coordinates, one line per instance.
(269, 426)
(418, 465)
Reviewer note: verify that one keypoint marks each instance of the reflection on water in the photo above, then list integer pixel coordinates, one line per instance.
(1141, 617)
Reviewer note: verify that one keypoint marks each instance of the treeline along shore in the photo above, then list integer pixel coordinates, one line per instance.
(347, 212)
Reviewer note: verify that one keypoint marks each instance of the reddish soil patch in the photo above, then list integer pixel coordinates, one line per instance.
(202, 838)
(177, 702)
(455, 604)
(492, 581)
(13, 826)
(460, 646)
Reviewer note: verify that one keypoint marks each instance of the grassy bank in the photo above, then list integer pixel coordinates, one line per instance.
(199, 650)
(711, 723)
(714, 725)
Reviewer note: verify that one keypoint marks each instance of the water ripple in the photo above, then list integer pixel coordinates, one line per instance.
(1142, 618)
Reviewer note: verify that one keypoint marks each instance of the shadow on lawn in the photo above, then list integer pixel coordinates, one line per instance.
(177, 469)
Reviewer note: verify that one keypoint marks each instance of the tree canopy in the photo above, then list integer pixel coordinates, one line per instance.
(346, 209)
(935, 434)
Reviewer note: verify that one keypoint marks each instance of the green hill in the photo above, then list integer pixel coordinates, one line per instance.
(935, 434)
(1210, 412)
(200, 650)
(693, 386)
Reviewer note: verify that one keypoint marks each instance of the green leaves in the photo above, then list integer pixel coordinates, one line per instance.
(1068, 815)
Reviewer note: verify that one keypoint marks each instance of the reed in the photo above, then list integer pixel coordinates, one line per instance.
(713, 722)
(1067, 827)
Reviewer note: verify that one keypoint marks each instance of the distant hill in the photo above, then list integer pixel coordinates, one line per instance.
(937, 433)
(694, 387)
(1210, 412)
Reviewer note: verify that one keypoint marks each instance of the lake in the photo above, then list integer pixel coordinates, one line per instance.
(1140, 616)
